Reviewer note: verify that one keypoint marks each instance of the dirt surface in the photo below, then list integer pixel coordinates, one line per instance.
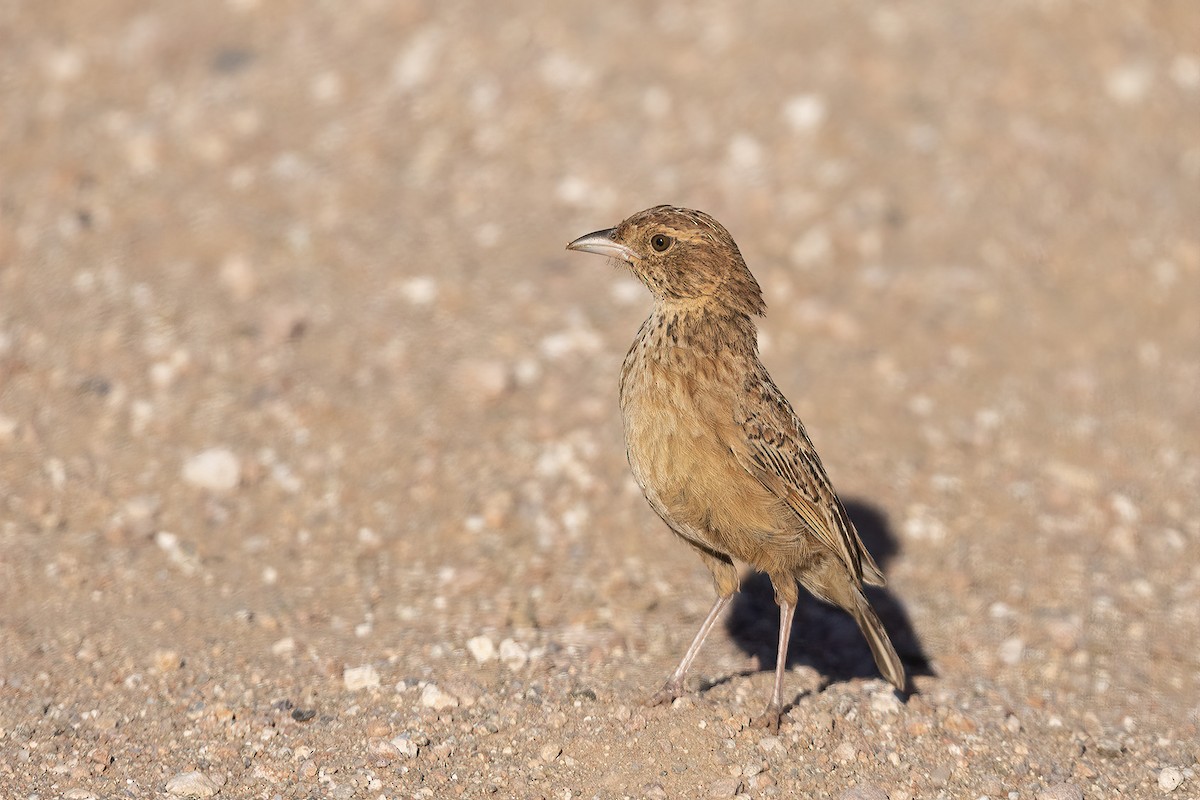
(311, 472)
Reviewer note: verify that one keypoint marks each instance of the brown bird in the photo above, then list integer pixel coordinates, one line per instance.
(716, 447)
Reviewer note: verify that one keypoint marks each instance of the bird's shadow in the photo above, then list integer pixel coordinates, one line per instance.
(823, 636)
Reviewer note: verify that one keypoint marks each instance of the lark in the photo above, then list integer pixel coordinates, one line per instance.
(715, 446)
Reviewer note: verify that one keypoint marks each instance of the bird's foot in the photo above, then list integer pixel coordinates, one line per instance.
(769, 719)
(666, 695)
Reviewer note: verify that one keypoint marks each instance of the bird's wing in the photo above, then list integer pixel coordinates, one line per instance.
(774, 447)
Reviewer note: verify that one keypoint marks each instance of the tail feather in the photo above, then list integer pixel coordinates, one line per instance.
(881, 646)
(872, 574)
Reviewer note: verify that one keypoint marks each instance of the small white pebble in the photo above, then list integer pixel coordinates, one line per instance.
(1129, 84)
(656, 102)
(921, 404)
(364, 677)
(283, 647)
(569, 342)
(987, 419)
(885, 703)
(562, 71)
(814, 247)
(627, 292)
(920, 525)
(513, 655)
(65, 64)
(434, 697)
(482, 649)
(1000, 610)
(216, 469)
(573, 190)
(745, 152)
(192, 784)
(1061, 791)
(326, 88)
(415, 63)
(804, 112)
(8, 428)
(56, 471)
(864, 791)
(527, 371)
(175, 553)
(1170, 779)
(405, 746)
(420, 291)
(769, 744)
(1124, 507)
(1012, 650)
(725, 787)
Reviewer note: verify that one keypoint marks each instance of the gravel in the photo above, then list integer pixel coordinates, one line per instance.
(311, 474)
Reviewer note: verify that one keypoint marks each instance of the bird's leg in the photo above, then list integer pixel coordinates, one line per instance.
(674, 686)
(770, 717)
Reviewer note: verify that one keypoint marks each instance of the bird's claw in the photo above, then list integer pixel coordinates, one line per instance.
(666, 695)
(769, 719)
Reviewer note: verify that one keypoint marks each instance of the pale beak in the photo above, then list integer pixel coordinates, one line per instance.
(601, 243)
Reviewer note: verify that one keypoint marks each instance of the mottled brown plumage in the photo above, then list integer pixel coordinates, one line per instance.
(716, 447)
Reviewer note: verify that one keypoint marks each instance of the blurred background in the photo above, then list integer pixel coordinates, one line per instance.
(296, 376)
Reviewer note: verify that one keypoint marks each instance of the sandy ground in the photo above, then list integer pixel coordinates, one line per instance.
(311, 473)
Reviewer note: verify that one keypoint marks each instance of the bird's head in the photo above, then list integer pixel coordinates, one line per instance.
(683, 256)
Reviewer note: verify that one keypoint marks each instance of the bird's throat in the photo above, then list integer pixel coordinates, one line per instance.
(701, 327)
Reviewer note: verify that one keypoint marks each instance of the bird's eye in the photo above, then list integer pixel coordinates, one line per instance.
(660, 242)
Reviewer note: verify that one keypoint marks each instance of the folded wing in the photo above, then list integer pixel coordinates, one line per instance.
(776, 450)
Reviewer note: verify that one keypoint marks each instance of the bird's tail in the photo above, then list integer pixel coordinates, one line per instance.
(881, 646)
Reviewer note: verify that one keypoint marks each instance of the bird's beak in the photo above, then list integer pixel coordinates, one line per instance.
(602, 244)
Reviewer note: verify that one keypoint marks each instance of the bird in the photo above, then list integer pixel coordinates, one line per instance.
(715, 446)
